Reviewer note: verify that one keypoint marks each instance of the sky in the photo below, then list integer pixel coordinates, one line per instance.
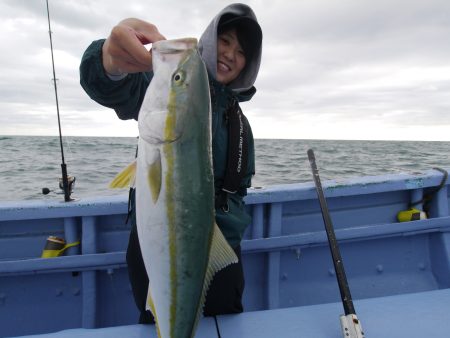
(331, 69)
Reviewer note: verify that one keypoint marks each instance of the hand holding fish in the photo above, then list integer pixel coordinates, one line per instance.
(124, 51)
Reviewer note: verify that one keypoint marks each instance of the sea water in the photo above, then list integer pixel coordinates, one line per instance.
(30, 163)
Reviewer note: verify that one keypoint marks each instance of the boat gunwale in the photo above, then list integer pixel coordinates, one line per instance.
(117, 204)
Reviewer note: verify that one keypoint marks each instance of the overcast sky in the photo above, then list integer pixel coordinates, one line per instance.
(331, 69)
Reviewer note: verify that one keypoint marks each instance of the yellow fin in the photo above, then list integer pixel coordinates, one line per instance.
(150, 305)
(125, 178)
(220, 256)
(155, 177)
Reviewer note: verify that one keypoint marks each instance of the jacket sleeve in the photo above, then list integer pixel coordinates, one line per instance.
(124, 96)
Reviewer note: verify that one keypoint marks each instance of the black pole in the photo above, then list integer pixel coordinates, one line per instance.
(63, 164)
(335, 253)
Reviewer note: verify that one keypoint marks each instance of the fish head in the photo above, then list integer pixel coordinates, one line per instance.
(177, 100)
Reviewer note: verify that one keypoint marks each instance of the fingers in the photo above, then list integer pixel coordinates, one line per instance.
(124, 51)
(146, 31)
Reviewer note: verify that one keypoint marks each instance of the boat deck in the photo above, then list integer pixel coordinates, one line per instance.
(393, 316)
(398, 273)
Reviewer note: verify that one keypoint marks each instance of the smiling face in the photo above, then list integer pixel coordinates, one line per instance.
(230, 57)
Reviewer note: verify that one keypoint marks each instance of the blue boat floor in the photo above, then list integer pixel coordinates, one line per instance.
(412, 315)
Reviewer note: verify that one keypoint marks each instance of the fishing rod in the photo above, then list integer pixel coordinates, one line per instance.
(351, 326)
(65, 179)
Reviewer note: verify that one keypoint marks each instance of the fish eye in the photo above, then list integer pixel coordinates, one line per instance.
(178, 77)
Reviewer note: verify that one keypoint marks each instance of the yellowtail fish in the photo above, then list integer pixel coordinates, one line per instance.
(181, 245)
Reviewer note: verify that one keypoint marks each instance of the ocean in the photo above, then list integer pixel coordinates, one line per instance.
(30, 163)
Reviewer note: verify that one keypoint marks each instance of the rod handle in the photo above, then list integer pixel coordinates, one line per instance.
(351, 326)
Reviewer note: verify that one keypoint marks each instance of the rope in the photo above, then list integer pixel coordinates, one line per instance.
(427, 198)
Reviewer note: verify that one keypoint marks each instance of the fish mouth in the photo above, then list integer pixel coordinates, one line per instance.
(175, 46)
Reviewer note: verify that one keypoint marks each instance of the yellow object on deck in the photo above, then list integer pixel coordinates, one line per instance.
(55, 247)
(412, 214)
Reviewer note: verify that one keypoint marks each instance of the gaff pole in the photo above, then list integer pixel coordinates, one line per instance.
(351, 326)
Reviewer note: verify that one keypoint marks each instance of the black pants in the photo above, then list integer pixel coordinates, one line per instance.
(224, 295)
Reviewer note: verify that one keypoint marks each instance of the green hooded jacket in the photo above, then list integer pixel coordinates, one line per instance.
(125, 96)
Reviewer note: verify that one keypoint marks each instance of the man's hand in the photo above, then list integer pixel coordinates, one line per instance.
(124, 51)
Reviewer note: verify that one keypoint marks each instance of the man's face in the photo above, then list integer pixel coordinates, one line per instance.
(230, 57)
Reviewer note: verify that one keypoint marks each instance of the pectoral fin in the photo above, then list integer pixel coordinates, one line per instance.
(155, 177)
(125, 178)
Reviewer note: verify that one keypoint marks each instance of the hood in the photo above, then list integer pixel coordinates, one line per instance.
(208, 48)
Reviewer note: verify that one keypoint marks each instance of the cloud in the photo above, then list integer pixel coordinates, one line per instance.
(330, 69)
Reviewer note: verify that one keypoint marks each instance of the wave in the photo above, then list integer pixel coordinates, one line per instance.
(30, 163)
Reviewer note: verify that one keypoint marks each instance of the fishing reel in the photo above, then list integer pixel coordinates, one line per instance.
(70, 181)
(71, 184)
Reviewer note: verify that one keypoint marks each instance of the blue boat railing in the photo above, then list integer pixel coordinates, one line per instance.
(285, 253)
